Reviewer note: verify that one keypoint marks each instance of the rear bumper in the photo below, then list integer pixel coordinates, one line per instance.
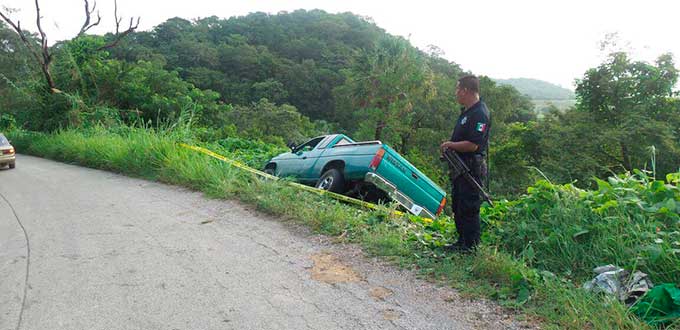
(7, 159)
(397, 195)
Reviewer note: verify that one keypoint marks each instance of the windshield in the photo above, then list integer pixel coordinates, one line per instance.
(310, 144)
(3, 140)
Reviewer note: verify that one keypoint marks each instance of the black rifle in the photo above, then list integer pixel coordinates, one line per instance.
(458, 168)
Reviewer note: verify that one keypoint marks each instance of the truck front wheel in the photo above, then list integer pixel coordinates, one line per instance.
(332, 180)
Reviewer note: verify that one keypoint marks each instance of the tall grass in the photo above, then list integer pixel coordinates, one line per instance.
(155, 154)
(631, 221)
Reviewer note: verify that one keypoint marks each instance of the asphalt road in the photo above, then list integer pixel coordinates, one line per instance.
(88, 249)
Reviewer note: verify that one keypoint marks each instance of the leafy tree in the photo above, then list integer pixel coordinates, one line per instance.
(18, 77)
(628, 106)
(142, 90)
(514, 159)
(269, 122)
(270, 89)
(382, 87)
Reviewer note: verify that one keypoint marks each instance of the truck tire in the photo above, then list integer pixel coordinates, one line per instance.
(270, 171)
(332, 180)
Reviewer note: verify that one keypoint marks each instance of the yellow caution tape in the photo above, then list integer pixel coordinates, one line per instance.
(245, 167)
(230, 161)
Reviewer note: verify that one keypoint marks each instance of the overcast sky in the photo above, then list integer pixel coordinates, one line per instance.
(552, 40)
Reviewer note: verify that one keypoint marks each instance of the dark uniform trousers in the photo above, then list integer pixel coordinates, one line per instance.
(465, 204)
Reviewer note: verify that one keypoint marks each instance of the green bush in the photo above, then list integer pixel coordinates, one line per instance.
(631, 220)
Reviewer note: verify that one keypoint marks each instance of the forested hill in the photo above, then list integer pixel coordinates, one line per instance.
(313, 60)
(538, 89)
(293, 58)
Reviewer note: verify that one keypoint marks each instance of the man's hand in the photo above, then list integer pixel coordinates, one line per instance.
(446, 145)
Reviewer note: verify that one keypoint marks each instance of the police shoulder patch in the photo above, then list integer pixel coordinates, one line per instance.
(481, 127)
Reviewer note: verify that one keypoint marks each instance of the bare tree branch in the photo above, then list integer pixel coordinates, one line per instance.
(88, 15)
(115, 15)
(43, 57)
(46, 56)
(43, 36)
(120, 35)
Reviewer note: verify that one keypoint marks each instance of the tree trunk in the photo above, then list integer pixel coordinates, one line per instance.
(625, 155)
(404, 143)
(52, 88)
(407, 136)
(378, 129)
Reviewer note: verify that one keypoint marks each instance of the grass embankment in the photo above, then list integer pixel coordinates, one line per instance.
(492, 272)
(631, 221)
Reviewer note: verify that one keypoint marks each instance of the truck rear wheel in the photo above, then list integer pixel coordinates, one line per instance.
(372, 194)
(332, 180)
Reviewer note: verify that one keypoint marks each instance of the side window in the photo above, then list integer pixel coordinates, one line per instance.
(326, 141)
(343, 141)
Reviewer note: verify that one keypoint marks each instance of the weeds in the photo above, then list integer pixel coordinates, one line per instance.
(631, 220)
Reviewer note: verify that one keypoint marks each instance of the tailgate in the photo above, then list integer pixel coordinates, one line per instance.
(409, 180)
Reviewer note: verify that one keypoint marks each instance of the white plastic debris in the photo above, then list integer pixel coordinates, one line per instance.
(619, 283)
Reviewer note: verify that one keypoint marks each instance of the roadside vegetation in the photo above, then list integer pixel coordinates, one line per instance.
(536, 253)
(245, 86)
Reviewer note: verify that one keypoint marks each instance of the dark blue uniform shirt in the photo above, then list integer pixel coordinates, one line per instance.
(473, 125)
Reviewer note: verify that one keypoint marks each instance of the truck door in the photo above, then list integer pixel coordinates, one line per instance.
(301, 157)
(312, 157)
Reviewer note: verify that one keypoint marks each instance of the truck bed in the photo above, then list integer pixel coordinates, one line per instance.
(410, 187)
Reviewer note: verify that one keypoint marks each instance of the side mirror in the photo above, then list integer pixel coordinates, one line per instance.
(291, 145)
(299, 151)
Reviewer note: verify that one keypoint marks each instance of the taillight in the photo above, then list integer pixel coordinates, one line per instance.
(441, 206)
(377, 159)
(8, 151)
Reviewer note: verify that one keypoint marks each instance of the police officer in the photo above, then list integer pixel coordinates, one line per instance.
(470, 139)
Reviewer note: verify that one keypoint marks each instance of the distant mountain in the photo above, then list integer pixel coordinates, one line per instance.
(538, 89)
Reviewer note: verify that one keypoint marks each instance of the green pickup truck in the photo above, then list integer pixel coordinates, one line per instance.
(368, 170)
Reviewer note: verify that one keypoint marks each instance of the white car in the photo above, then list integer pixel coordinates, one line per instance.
(7, 156)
